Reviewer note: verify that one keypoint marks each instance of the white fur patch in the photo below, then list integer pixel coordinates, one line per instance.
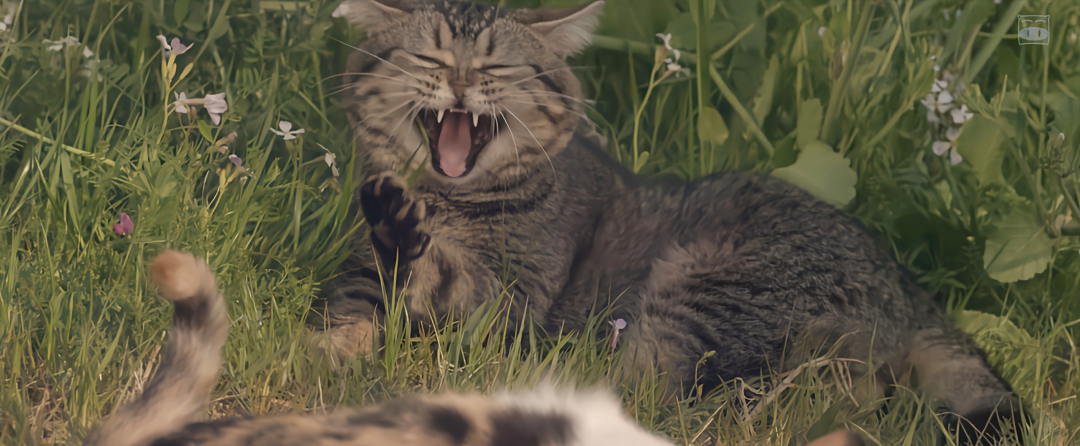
(597, 415)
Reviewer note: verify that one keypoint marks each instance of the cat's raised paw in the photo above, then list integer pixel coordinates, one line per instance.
(394, 217)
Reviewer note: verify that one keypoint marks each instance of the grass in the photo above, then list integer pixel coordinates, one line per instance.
(764, 86)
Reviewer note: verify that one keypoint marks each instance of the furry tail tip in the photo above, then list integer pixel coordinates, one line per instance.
(180, 389)
(180, 276)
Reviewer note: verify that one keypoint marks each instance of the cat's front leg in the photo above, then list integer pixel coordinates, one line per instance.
(394, 218)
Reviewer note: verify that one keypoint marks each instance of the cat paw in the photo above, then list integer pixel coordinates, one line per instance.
(394, 217)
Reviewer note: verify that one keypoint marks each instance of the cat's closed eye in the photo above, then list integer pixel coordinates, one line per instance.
(425, 61)
(506, 70)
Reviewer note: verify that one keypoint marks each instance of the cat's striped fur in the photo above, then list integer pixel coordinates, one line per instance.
(741, 264)
(167, 413)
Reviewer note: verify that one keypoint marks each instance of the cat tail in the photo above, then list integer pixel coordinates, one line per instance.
(180, 389)
(953, 369)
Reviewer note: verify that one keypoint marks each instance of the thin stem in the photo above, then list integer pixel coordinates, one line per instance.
(1069, 198)
(48, 140)
(641, 109)
(836, 96)
(997, 33)
(743, 113)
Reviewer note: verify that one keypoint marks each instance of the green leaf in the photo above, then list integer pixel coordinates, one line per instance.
(784, 153)
(764, 97)
(1066, 115)
(711, 126)
(684, 32)
(643, 158)
(204, 130)
(980, 145)
(1019, 248)
(822, 172)
(809, 123)
(221, 23)
(986, 324)
(824, 425)
(180, 11)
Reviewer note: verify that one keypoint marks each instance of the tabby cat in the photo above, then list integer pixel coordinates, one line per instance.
(167, 412)
(479, 100)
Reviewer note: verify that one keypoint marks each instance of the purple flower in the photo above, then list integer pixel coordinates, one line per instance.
(236, 160)
(619, 325)
(125, 226)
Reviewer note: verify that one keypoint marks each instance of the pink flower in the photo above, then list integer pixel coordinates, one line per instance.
(174, 47)
(619, 325)
(125, 226)
(236, 160)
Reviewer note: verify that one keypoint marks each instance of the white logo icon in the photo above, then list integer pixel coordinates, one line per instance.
(1034, 30)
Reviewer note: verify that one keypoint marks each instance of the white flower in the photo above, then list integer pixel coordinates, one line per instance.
(1061, 136)
(961, 115)
(9, 18)
(286, 130)
(331, 161)
(667, 40)
(181, 102)
(932, 117)
(939, 86)
(1072, 37)
(936, 68)
(215, 105)
(949, 147)
(673, 66)
(821, 31)
(173, 47)
(341, 10)
(940, 103)
(57, 45)
(667, 44)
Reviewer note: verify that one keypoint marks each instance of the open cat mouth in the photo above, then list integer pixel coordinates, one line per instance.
(456, 137)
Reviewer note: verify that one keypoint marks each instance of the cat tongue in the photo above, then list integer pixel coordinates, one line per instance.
(455, 142)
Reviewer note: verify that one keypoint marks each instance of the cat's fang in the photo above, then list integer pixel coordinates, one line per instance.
(438, 117)
(475, 119)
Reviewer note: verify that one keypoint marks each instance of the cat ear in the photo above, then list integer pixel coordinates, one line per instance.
(569, 31)
(372, 14)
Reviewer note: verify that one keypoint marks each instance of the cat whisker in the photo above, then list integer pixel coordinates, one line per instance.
(403, 83)
(381, 95)
(407, 73)
(495, 133)
(409, 116)
(582, 115)
(388, 113)
(542, 149)
(378, 75)
(538, 75)
(517, 151)
(547, 93)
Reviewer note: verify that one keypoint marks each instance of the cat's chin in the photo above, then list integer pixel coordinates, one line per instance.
(456, 138)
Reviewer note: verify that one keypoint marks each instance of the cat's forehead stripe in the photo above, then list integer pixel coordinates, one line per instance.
(467, 19)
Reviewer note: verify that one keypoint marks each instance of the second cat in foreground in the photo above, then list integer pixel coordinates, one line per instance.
(169, 410)
(747, 266)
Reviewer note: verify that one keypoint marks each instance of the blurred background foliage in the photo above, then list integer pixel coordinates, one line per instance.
(928, 120)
